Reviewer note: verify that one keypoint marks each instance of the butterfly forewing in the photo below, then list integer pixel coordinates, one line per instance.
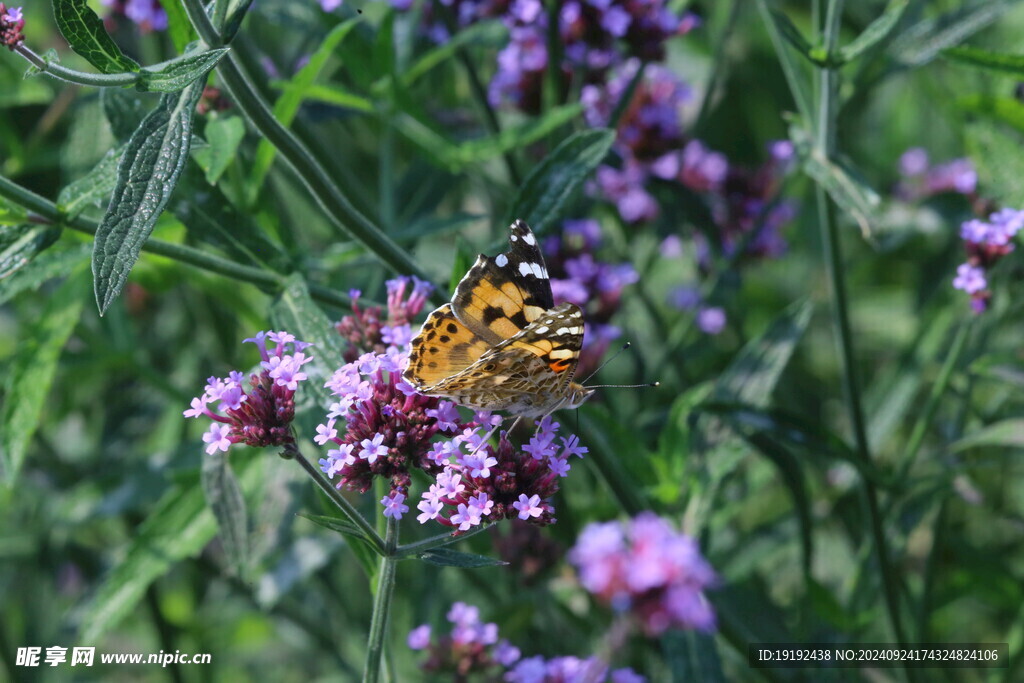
(444, 347)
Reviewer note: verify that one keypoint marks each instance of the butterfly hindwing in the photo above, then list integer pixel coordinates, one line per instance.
(500, 296)
(444, 347)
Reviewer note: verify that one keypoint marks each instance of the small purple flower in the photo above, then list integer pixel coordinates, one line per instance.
(419, 637)
(325, 433)
(373, 449)
(528, 507)
(218, 437)
(914, 162)
(970, 278)
(393, 505)
(446, 415)
(711, 320)
(331, 5)
(429, 509)
(14, 14)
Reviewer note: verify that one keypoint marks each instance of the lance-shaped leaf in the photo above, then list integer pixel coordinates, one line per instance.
(30, 373)
(85, 34)
(1008, 433)
(146, 176)
(453, 558)
(92, 188)
(45, 267)
(124, 110)
(552, 183)
(846, 188)
(993, 61)
(175, 74)
(19, 244)
(224, 494)
(922, 42)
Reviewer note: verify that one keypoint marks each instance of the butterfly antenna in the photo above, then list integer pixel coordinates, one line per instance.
(623, 386)
(624, 347)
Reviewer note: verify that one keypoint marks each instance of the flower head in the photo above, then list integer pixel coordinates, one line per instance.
(262, 414)
(12, 24)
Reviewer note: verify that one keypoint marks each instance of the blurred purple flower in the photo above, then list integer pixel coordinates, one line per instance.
(711, 320)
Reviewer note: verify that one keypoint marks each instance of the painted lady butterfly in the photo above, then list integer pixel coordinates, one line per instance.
(502, 344)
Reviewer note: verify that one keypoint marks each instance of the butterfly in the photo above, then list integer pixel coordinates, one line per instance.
(502, 344)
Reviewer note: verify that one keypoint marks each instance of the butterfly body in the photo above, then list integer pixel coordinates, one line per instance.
(502, 344)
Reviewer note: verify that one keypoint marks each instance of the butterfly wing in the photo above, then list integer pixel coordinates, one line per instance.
(501, 295)
(444, 347)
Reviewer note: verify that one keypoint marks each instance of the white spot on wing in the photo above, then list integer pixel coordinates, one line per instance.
(502, 260)
(536, 269)
(562, 330)
(530, 239)
(542, 329)
(524, 269)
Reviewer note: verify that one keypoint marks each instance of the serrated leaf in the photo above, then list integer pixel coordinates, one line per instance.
(86, 35)
(847, 189)
(31, 371)
(175, 74)
(992, 61)
(875, 32)
(295, 311)
(444, 557)
(1008, 434)
(287, 105)
(179, 28)
(553, 182)
(45, 267)
(224, 134)
(224, 495)
(180, 526)
(19, 244)
(124, 109)
(456, 156)
(92, 188)
(149, 170)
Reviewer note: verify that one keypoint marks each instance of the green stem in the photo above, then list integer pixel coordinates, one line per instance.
(931, 405)
(79, 77)
(292, 452)
(437, 541)
(476, 87)
(48, 211)
(382, 605)
(824, 142)
(318, 182)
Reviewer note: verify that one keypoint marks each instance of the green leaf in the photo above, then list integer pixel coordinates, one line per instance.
(224, 134)
(491, 32)
(19, 244)
(876, 31)
(175, 74)
(296, 312)
(224, 494)
(31, 371)
(1008, 110)
(455, 157)
(992, 61)
(443, 557)
(235, 14)
(85, 35)
(146, 176)
(553, 182)
(1008, 433)
(996, 152)
(48, 265)
(792, 34)
(847, 189)
(92, 188)
(178, 26)
(124, 109)
(921, 43)
(287, 105)
(364, 551)
(180, 526)
(12, 214)
(334, 95)
(692, 656)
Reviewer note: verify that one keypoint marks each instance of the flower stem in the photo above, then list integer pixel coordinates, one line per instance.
(382, 605)
(824, 143)
(337, 207)
(48, 212)
(71, 76)
(437, 541)
(379, 546)
(938, 390)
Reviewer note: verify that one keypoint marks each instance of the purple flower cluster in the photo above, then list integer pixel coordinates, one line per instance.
(647, 569)
(596, 287)
(12, 24)
(710, 319)
(922, 180)
(149, 15)
(263, 415)
(473, 647)
(366, 331)
(986, 242)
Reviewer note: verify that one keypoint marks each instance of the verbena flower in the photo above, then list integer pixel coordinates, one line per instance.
(12, 25)
(472, 649)
(648, 570)
(149, 15)
(986, 242)
(921, 180)
(262, 414)
(366, 330)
